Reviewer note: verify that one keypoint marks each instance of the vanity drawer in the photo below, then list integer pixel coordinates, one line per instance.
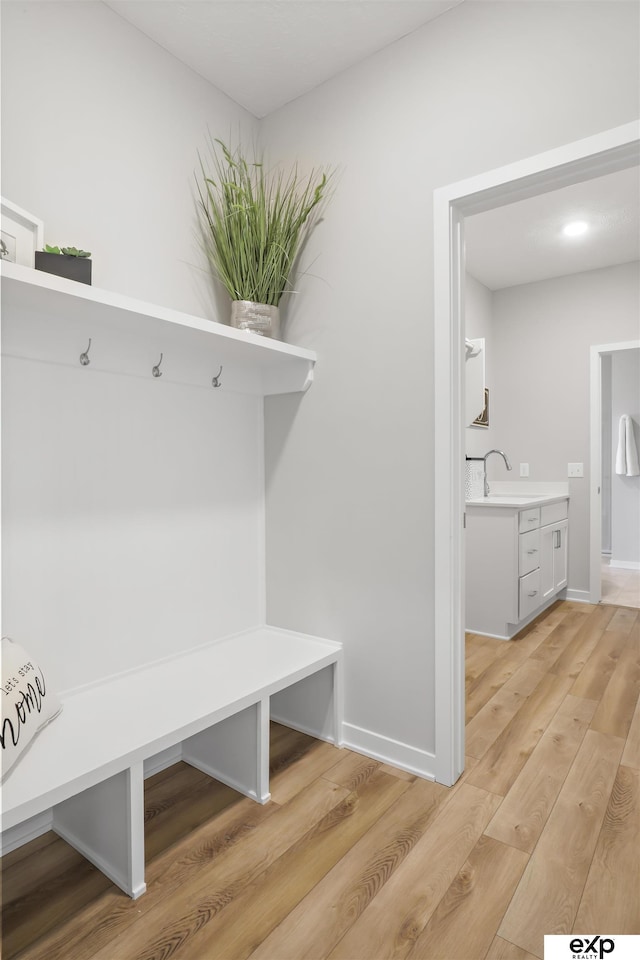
(552, 512)
(529, 519)
(529, 550)
(530, 598)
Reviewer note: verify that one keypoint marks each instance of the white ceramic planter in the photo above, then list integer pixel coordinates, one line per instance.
(260, 318)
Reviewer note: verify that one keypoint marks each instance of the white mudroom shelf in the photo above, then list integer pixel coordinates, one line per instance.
(51, 319)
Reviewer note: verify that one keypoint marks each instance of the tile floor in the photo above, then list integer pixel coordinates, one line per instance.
(621, 587)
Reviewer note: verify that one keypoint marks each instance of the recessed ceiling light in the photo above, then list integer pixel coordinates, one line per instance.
(575, 229)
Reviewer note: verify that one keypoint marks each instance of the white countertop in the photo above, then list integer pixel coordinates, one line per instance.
(516, 502)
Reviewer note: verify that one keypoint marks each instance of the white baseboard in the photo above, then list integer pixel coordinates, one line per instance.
(24, 832)
(396, 754)
(304, 728)
(624, 564)
(578, 596)
(162, 760)
(485, 633)
(103, 865)
(222, 777)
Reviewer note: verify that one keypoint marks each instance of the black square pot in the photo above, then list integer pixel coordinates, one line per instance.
(73, 268)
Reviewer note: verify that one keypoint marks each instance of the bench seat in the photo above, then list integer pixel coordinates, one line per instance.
(215, 701)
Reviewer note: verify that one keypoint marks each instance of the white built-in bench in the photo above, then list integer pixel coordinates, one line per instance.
(213, 704)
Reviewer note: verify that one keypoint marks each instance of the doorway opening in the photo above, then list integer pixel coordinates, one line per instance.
(614, 566)
(604, 153)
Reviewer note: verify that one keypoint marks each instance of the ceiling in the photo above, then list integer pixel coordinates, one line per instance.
(523, 242)
(265, 53)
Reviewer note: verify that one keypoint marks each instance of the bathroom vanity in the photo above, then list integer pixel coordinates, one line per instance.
(516, 560)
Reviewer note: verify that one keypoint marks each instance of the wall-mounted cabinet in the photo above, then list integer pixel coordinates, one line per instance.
(51, 319)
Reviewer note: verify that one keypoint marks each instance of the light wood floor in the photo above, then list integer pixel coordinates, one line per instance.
(619, 586)
(355, 860)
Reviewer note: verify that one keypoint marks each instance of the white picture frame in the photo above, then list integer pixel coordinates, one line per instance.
(21, 234)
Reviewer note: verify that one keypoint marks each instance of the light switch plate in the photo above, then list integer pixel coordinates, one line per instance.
(524, 469)
(575, 470)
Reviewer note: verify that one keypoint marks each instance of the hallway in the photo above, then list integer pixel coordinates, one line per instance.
(620, 586)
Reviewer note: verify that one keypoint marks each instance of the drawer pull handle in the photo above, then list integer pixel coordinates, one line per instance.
(532, 551)
(532, 593)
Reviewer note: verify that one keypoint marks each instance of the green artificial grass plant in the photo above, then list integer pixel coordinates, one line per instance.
(254, 223)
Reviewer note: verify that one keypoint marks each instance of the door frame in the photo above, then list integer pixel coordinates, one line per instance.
(595, 500)
(606, 152)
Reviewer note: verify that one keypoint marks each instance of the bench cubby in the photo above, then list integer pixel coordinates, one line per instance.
(214, 703)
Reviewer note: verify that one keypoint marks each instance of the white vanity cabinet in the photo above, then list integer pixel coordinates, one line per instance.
(554, 529)
(516, 561)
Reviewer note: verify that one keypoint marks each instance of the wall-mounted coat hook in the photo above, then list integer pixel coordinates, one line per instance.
(84, 357)
(156, 370)
(215, 382)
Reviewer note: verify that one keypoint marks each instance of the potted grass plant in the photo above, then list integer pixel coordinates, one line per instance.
(253, 226)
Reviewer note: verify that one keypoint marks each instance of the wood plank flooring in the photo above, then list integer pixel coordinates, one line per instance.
(353, 860)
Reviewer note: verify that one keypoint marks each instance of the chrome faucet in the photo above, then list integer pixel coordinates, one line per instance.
(507, 464)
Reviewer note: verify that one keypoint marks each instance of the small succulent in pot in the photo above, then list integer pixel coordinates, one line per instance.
(70, 262)
(254, 224)
(66, 251)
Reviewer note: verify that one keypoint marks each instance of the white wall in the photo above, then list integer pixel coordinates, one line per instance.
(350, 470)
(132, 516)
(101, 130)
(133, 507)
(350, 465)
(543, 334)
(625, 491)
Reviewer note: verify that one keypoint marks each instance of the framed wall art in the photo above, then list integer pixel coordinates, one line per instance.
(21, 234)
(483, 419)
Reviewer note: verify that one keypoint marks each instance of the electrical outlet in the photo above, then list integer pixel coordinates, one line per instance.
(524, 469)
(575, 470)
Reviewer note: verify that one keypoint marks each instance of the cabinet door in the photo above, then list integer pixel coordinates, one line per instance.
(560, 537)
(547, 551)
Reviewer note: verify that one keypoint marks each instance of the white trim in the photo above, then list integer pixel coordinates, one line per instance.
(597, 352)
(308, 729)
(625, 564)
(611, 150)
(30, 829)
(161, 761)
(22, 833)
(262, 519)
(393, 752)
(216, 774)
(134, 890)
(578, 596)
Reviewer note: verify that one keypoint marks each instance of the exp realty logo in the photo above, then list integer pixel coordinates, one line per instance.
(591, 946)
(583, 948)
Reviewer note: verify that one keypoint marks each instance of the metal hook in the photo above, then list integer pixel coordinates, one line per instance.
(215, 382)
(156, 370)
(84, 357)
